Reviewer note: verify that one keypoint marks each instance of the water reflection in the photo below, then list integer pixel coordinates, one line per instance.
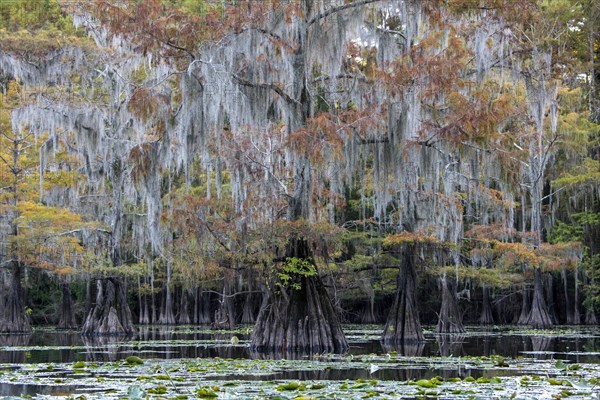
(541, 345)
(50, 346)
(14, 341)
(26, 390)
(105, 348)
(450, 345)
(414, 349)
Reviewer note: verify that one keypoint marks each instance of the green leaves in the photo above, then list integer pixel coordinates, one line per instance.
(293, 270)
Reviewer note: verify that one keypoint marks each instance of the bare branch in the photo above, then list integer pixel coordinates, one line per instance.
(271, 86)
(336, 9)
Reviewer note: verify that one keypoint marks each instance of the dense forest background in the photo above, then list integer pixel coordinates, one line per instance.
(295, 164)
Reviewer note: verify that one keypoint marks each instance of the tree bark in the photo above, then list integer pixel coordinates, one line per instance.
(576, 313)
(525, 307)
(304, 320)
(538, 316)
(111, 314)
(67, 315)
(166, 313)
(590, 317)
(144, 316)
(403, 324)
(450, 317)
(225, 313)
(299, 318)
(549, 292)
(486, 317)
(13, 318)
(184, 313)
(202, 307)
(249, 309)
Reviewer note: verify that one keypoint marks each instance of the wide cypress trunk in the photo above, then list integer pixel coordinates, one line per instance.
(450, 317)
(304, 320)
(538, 316)
(67, 311)
(403, 324)
(13, 318)
(300, 317)
(111, 314)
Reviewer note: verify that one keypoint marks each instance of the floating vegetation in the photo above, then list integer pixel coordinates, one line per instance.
(134, 360)
(381, 373)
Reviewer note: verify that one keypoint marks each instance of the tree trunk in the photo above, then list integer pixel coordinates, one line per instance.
(299, 318)
(576, 313)
(67, 311)
(590, 317)
(153, 318)
(570, 318)
(144, 318)
(367, 315)
(486, 317)
(304, 318)
(202, 307)
(525, 307)
(184, 313)
(110, 315)
(549, 293)
(13, 318)
(450, 317)
(166, 313)
(304, 321)
(225, 313)
(88, 293)
(538, 316)
(403, 324)
(196, 310)
(145, 307)
(249, 309)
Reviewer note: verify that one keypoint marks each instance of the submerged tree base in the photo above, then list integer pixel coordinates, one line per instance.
(403, 324)
(304, 320)
(12, 313)
(538, 317)
(111, 314)
(450, 317)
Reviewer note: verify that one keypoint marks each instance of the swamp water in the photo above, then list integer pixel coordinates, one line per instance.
(196, 362)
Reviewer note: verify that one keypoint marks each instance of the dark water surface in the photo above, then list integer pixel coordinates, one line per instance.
(576, 344)
(48, 346)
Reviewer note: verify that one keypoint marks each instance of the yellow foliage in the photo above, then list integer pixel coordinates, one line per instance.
(411, 238)
(492, 277)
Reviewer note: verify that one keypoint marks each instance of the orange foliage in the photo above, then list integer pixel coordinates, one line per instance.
(142, 156)
(556, 257)
(516, 254)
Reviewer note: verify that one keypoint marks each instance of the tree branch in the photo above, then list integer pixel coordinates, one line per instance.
(275, 88)
(336, 9)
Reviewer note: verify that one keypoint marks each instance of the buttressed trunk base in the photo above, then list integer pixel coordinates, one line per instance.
(111, 314)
